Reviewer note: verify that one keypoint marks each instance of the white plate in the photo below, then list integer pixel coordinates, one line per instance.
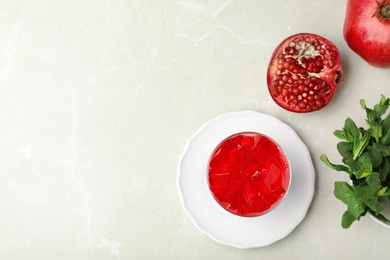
(227, 228)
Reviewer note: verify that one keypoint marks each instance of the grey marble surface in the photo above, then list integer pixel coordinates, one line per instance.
(98, 99)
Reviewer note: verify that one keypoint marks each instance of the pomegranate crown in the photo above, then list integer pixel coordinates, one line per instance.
(383, 12)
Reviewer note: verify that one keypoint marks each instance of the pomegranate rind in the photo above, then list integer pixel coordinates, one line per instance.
(324, 76)
(366, 33)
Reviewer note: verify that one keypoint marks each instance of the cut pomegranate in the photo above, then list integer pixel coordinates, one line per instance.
(304, 73)
(248, 174)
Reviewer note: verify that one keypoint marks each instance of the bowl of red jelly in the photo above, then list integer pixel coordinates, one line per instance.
(248, 174)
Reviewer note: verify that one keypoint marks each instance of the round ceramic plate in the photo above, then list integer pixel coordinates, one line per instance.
(225, 227)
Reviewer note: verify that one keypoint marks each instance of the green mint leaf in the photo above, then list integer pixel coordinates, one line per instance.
(365, 165)
(371, 116)
(383, 149)
(345, 149)
(355, 166)
(384, 169)
(348, 132)
(336, 167)
(374, 181)
(385, 139)
(381, 108)
(375, 156)
(360, 142)
(376, 130)
(384, 201)
(374, 205)
(378, 204)
(384, 191)
(360, 168)
(344, 192)
(341, 134)
(347, 219)
(365, 193)
(352, 198)
(363, 104)
(357, 208)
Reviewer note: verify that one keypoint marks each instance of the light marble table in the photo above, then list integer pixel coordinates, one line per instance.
(98, 99)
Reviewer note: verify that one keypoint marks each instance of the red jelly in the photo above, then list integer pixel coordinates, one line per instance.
(248, 174)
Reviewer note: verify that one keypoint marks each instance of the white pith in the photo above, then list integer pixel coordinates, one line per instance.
(304, 50)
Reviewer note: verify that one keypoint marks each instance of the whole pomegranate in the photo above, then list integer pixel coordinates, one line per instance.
(304, 73)
(367, 30)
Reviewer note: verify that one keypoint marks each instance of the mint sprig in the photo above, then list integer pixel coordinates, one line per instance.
(366, 159)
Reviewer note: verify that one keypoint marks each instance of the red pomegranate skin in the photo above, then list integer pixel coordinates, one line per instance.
(367, 32)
